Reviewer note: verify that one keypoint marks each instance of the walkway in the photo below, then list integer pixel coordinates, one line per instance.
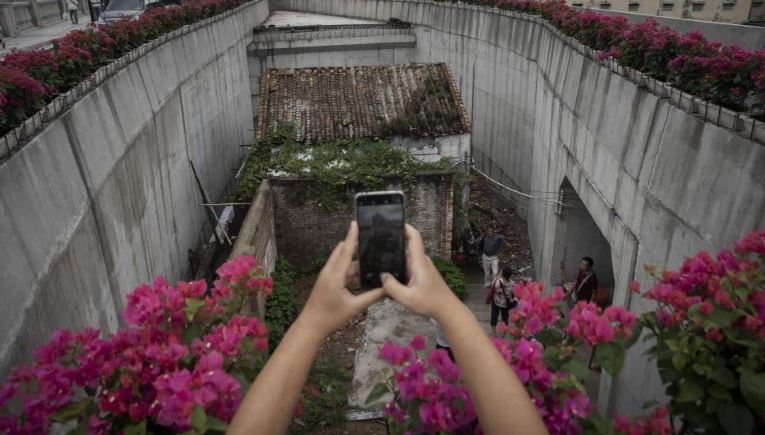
(39, 37)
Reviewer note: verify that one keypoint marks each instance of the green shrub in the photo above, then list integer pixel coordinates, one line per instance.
(325, 397)
(453, 276)
(282, 305)
(336, 168)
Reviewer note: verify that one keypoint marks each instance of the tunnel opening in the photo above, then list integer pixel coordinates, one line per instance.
(577, 236)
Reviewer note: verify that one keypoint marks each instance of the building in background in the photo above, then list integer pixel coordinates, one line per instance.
(726, 11)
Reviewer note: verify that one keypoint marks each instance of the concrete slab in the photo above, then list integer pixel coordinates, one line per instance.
(294, 19)
(387, 320)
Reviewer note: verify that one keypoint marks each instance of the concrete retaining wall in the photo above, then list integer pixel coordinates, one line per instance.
(659, 182)
(104, 199)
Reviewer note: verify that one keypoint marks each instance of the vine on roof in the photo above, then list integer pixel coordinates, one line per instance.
(336, 169)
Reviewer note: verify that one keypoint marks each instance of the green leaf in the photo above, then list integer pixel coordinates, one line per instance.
(199, 420)
(71, 411)
(753, 388)
(136, 429)
(719, 392)
(679, 360)
(551, 358)
(690, 391)
(724, 377)
(192, 306)
(577, 368)
(611, 357)
(597, 425)
(215, 424)
(550, 337)
(720, 317)
(735, 418)
(192, 331)
(377, 392)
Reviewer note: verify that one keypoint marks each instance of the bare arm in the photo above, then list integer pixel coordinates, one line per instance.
(489, 379)
(269, 404)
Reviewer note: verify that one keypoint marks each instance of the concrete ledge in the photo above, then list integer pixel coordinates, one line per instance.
(331, 44)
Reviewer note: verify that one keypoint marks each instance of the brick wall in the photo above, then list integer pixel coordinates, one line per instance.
(305, 232)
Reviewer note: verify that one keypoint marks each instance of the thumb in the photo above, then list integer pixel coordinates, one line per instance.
(365, 299)
(392, 287)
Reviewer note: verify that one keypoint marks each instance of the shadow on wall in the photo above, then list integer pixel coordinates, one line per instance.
(577, 236)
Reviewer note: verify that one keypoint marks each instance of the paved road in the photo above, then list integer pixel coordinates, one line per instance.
(39, 37)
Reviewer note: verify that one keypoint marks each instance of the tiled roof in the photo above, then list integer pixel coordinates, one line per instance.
(368, 101)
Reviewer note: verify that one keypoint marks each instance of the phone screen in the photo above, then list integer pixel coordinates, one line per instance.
(380, 216)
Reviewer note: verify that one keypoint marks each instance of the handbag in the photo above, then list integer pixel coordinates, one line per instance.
(490, 295)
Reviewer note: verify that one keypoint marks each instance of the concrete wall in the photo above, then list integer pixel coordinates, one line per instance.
(104, 199)
(341, 46)
(659, 182)
(577, 235)
(305, 231)
(749, 37)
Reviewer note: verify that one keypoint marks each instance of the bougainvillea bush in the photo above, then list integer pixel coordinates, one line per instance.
(30, 79)
(731, 77)
(183, 363)
(706, 336)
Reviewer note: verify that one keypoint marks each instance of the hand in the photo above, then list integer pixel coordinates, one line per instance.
(426, 293)
(331, 305)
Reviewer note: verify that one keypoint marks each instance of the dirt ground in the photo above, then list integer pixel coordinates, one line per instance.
(340, 348)
(487, 206)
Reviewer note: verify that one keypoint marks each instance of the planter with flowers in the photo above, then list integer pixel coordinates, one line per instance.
(707, 336)
(183, 363)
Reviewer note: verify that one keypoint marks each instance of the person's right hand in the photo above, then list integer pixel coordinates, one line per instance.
(427, 292)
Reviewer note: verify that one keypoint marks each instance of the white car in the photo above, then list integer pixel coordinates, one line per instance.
(127, 9)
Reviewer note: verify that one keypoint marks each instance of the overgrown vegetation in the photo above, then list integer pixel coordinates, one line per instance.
(325, 397)
(282, 305)
(453, 276)
(325, 394)
(336, 169)
(429, 106)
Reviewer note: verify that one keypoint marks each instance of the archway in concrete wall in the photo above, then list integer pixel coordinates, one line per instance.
(576, 236)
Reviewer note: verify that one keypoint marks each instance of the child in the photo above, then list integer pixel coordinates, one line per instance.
(501, 298)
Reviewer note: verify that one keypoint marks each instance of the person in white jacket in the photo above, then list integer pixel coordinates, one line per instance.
(73, 7)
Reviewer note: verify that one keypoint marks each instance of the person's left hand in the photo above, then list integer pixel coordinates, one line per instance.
(331, 305)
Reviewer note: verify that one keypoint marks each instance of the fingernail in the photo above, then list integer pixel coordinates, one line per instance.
(383, 275)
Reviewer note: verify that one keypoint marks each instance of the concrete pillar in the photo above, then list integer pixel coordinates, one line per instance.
(8, 19)
(34, 13)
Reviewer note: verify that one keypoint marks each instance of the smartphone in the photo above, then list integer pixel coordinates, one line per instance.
(381, 217)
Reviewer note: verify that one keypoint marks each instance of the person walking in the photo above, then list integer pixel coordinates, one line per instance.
(501, 298)
(489, 245)
(95, 10)
(72, 6)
